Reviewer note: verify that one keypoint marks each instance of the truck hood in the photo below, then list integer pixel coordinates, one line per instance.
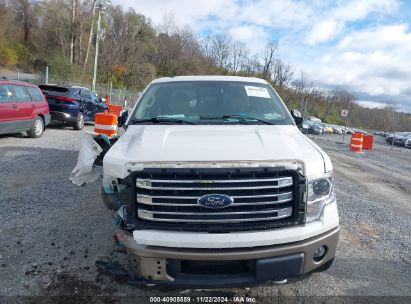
(213, 145)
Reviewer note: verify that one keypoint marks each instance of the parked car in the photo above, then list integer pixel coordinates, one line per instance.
(313, 119)
(389, 138)
(72, 105)
(344, 129)
(311, 127)
(336, 129)
(23, 108)
(398, 138)
(401, 137)
(327, 129)
(214, 185)
(304, 127)
(356, 130)
(407, 143)
(347, 130)
(317, 129)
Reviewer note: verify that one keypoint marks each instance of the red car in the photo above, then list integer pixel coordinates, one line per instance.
(23, 107)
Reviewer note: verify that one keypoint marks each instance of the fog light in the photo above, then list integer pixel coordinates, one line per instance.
(319, 254)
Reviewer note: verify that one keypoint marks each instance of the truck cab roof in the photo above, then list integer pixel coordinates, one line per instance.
(210, 78)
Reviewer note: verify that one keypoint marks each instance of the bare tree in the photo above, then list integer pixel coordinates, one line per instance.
(270, 54)
(219, 48)
(252, 66)
(281, 73)
(305, 91)
(238, 56)
(169, 25)
(23, 16)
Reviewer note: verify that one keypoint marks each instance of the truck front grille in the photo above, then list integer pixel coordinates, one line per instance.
(263, 198)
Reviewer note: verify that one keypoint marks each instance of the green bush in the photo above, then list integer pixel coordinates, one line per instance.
(60, 68)
(12, 55)
(8, 55)
(24, 55)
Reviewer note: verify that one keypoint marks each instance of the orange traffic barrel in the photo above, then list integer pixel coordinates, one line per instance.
(356, 142)
(115, 109)
(105, 123)
(368, 142)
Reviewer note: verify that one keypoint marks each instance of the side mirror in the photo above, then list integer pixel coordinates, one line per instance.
(121, 120)
(297, 117)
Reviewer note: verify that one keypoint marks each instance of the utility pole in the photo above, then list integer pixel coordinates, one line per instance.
(96, 54)
(110, 90)
(346, 120)
(395, 128)
(101, 7)
(47, 75)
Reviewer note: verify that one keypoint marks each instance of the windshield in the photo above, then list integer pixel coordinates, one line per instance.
(210, 102)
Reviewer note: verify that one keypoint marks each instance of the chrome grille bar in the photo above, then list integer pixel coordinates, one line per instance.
(148, 184)
(280, 213)
(214, 188)
(206, 181)
(144, 196)
(148, 200)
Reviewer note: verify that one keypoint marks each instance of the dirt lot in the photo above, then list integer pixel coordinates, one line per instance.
(52, 232)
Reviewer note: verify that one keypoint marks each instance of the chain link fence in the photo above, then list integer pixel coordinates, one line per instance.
(119, 96)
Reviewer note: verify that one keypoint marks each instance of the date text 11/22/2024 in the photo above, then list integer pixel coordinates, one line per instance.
(204, 299)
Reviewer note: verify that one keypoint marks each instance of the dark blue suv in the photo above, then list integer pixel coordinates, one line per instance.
(72, 105)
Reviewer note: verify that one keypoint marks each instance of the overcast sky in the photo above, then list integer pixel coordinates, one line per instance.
(363, 46)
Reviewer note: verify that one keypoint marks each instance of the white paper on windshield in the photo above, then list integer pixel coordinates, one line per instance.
(172, 116)
(256, 92)
(272, 116)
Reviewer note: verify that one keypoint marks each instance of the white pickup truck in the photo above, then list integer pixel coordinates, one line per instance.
(215, 185)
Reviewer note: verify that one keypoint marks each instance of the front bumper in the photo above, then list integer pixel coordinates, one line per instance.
(62, 117)
(225, 267)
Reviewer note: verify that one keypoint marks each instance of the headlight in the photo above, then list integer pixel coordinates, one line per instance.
(320, 192)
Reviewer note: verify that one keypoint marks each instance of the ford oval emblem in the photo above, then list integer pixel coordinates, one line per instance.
(215, 201)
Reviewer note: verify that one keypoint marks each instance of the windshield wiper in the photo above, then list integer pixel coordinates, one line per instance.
(241, 118)
(162, 119)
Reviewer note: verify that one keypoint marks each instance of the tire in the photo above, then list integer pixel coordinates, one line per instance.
(325, 266)
(79, 124)
(37, 128)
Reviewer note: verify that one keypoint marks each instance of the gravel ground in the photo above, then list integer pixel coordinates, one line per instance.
(53, 231)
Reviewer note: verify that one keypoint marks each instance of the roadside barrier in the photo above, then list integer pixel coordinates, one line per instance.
(356, 142)
(106, 123)
(115, 109)
(368, 142)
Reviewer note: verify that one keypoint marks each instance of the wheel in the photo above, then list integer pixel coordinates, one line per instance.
(79, 124)
(37, 128)
(325, 266)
